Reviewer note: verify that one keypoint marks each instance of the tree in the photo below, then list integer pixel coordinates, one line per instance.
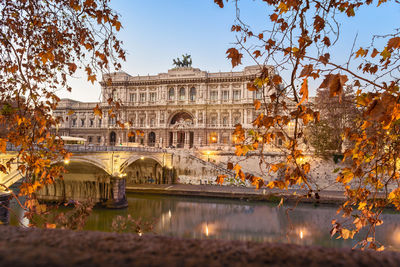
(42, 43)
(336, 115)
(299, 41)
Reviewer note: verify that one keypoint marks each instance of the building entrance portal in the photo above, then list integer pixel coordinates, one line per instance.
(180, 140)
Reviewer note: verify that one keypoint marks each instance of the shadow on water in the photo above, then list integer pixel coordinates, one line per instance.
(204, 218)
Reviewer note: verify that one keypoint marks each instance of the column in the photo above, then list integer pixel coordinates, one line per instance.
(174, 138)
(186, 139)
(117, 198)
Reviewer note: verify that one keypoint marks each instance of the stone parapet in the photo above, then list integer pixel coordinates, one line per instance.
(38, 247)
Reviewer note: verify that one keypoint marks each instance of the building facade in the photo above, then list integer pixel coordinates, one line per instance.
(183, 108)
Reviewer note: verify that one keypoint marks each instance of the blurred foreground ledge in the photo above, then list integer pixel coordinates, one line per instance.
(40, 247)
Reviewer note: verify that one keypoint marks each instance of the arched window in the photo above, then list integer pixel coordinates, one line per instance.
(171, 94)
(152, 139)
(131, 138)
(192, 94)
(182, 94)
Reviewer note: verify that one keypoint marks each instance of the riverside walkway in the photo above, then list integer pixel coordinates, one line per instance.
(237, 192)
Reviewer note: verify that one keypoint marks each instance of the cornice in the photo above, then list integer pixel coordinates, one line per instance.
(181, 81)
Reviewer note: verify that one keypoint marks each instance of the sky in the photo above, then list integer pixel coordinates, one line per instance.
(157, 31)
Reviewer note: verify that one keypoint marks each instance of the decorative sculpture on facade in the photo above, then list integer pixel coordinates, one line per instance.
(182, 123)
(186, 61)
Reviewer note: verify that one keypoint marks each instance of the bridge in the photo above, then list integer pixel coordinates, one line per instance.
(101, 172)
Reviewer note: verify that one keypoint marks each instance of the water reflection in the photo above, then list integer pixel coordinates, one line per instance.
(239, 220)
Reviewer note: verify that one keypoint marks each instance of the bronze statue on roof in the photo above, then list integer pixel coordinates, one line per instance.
(185, 63)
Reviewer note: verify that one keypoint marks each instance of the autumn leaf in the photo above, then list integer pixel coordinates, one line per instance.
(97, 111)
(304, 91)
(307, 70)
(257, 53)
(220, 179)
(393, 43)
(277, 79)
(319, 23)
(235, 56)
(220, 3)
(374, 53)
(251, 87)
(3, 145)
(257, 104)
(335, 83)
(274, 17)
(72, 67)
(70, 112)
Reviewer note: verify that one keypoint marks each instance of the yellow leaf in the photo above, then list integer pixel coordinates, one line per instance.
(282, 7)
(362, 205)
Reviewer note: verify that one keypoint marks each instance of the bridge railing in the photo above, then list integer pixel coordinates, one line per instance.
(90, 148)
(81, 148)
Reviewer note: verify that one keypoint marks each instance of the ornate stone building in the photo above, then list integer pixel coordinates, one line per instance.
(184, 107)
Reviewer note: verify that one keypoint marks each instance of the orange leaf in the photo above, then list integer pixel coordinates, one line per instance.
(251, 87)
(394, 43)
(257, 104)
(304, 91)
(220, 178)
(97, 111)
(3, 145)
(235, 56)
(219, 3)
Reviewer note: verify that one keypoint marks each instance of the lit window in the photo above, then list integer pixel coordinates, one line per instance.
(131, 138)
(213, 137)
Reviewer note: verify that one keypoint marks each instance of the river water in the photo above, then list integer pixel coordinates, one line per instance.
(211, 218)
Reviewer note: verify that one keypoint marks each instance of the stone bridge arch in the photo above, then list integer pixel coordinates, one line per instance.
(88, 160)
(135, 158)
(144, 169)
